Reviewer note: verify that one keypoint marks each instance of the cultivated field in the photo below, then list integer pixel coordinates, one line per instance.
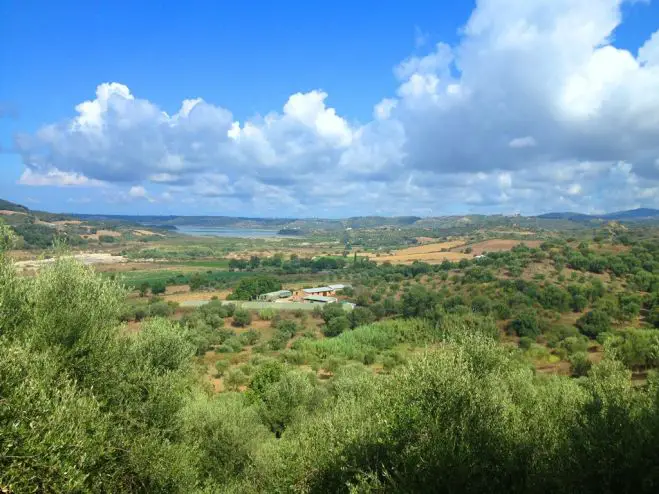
(498, 245)
(430, 253)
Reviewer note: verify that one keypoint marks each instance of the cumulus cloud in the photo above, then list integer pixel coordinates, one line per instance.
(534, 109)
(57, 178)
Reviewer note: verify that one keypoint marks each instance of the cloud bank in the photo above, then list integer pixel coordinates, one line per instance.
(535, 109)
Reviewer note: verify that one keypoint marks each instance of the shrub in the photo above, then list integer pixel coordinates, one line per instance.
(391, 360)
(158, 287)
(250, 337)
(637, 348)
(336, 326)
(221, 367)
(580, 364)
(234, 343)
(160, 309)
(267, 314)
(286, 328)
(594, 322)
(234, 379)
(525, 342)
(526, 324)
(278, 342)
(242, 318)
(369, 358)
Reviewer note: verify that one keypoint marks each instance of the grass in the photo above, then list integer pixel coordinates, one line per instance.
(211, 263)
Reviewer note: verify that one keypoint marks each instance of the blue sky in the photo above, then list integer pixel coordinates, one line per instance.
(330, 109)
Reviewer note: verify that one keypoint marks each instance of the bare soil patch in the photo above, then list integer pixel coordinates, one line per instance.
(142, 233)
(186, 296)
(84, 257)
(99, 233)
(430, 253)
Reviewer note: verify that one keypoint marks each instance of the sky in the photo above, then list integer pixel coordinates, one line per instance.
(330, 109)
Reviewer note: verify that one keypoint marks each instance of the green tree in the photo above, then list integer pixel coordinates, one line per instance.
(144, 288)
(525, 324)
(242, 318)
(158, 287)
(336, 326)
(594, 322)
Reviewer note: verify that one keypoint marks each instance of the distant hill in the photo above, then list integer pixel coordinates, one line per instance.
(633, 214)
(567, 216)
(11, 206)
(639, 214)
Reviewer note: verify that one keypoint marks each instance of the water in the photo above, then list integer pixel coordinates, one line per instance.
(220, 231)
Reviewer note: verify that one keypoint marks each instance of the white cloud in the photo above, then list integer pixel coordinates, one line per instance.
(522, 142)
(534, 109)
(55, 177)
(137, 191)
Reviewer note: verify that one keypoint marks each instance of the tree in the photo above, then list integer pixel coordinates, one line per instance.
(481, 305)
(250, 288)
(330, 311)
(593, 323)
(526, 324)
(158, 287)
(144, 288)
(221, 367)
(336, 326)
(196, 282)
(242, 318)
(360, 316)
(580, 364)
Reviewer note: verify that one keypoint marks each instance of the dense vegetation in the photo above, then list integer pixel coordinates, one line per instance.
(88, 407)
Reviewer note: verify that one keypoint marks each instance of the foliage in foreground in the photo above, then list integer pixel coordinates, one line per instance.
(87, 408)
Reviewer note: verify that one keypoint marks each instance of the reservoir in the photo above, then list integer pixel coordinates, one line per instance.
(220, 231)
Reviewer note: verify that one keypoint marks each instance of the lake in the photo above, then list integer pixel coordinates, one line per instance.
(220, 231)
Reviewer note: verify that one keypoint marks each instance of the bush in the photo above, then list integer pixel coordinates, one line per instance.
(158, 287)
(525, 342)
(235, 379)
(234, 343)
(594, 322)
(286, 328)
(221, 367)
(526, 324)
(278, 342)
(336, 326)
(392, 360)
(637, 348)
(574, 344)
(242, 318)
(369, 358)
(267, 314)
(580, 364)
(160, 309)
(250, 337)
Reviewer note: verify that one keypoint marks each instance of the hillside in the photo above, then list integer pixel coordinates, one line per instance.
(630, 215)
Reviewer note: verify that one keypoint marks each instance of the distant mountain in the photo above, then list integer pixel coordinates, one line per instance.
(639, 214)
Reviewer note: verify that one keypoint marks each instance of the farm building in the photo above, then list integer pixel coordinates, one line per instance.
(319, 299)
(272, 296)
(339, 286)
(323, 291)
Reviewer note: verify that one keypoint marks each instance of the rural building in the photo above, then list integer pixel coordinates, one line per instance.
(319, 299)
(339, 286)
(272, 296)
(323, 291)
